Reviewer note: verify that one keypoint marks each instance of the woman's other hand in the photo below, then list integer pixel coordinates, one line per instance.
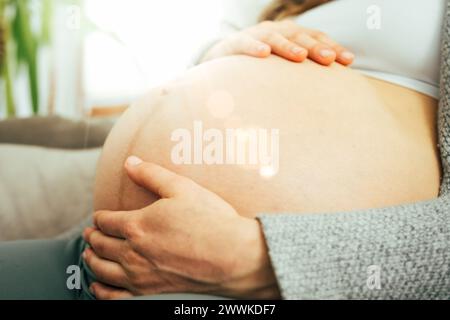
(285, 39)
(189, 241)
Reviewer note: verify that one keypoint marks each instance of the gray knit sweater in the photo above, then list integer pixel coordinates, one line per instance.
(400, 252)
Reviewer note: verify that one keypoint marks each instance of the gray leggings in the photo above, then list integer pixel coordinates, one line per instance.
(37, 269)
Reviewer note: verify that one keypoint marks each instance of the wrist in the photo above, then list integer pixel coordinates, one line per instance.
(252, 268)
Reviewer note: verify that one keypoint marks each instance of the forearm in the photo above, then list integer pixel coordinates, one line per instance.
(329, 255)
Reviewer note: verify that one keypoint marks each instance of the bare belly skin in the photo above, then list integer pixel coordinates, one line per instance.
(346, 141)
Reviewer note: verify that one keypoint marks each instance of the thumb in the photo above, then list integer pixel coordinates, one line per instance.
(155, 178)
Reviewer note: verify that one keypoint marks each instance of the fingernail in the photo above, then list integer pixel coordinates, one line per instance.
(133, 161)
(347, 55)
(325, 53)
(297, 50)
(84, 254)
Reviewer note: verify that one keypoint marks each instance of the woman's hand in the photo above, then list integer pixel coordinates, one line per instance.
(284, 38)
(189, 241)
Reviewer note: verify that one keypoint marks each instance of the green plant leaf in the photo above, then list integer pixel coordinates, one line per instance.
(4, 61)
(10, 103)
(46, 17)
(27, 42)
(2, 33)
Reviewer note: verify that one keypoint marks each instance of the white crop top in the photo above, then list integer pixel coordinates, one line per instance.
(394, 40)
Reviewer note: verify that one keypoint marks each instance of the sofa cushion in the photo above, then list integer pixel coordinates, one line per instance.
(44, 192)
(56, 132)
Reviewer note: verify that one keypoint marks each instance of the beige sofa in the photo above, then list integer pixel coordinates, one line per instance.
(47, 169)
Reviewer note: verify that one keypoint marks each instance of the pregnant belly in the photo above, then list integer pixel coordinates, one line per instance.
(333, 139)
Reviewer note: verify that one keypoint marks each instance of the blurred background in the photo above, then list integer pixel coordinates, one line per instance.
(78, 58)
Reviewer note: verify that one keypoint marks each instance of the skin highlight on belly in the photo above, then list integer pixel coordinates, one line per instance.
(345, 142)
